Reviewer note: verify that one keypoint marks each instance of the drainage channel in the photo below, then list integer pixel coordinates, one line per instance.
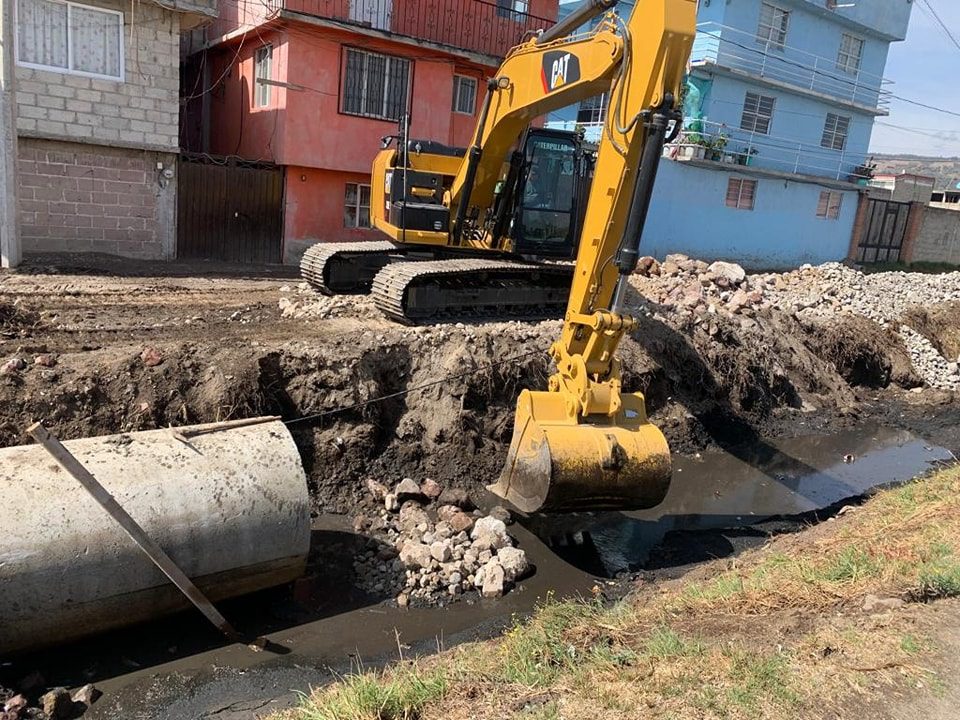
(719, 503)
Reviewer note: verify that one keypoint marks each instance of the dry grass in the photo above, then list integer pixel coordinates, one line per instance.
(779, 634)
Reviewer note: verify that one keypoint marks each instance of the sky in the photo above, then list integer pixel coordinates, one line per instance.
(923, 68)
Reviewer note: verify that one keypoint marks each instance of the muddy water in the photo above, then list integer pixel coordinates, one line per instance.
(179, 669)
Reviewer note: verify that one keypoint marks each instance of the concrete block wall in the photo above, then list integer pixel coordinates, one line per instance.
(938, 237)
(87, 198)
(141, 111)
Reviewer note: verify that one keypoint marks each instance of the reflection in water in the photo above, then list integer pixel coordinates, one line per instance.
(739, 487)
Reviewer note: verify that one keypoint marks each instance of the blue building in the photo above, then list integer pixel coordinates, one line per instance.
(779, 109)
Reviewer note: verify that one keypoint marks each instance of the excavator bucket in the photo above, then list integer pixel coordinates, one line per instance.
(557, 463)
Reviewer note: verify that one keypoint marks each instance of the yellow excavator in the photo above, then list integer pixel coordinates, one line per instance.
(474, 232)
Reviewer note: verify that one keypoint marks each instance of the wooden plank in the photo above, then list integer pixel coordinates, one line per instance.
(160, 558)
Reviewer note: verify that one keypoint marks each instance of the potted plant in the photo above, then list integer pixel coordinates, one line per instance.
(715, 147)
(746, 157)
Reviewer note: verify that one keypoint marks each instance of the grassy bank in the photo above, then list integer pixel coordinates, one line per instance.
(790, 630)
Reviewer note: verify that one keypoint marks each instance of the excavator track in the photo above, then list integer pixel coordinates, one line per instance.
(468, 289)
(344, 268)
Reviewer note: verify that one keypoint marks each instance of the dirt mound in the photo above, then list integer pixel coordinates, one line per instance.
(863, 353)
(940, 325)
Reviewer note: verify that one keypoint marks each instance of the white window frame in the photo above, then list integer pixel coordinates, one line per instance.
(596, 106)
(512, 9)
(826, 207)
(262, 56)
(740, 202)
(832, 134)
(389, 59)
(757, 114)
(847, 60)
(69, 69)
(458, 80)
(358, 205)
(767, 31)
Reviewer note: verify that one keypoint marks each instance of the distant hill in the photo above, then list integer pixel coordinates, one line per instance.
(945, 170)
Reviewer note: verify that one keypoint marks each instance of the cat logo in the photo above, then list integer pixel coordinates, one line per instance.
(559, 69)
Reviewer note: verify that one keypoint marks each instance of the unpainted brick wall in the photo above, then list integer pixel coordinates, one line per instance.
(140, 111)
(76, 197)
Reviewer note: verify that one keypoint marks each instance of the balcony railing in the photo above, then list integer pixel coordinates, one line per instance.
(734, 49)
(488, 28)
(717, 142)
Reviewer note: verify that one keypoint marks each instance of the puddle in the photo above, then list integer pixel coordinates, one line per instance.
(178, 668)
(738, 487)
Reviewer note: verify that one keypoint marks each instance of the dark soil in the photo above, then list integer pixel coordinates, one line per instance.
(385, 407)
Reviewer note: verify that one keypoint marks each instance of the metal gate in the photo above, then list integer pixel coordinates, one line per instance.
(883, 232)
(229, 209)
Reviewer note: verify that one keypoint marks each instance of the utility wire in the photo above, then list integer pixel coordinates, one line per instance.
(943, 25)
(425, 386)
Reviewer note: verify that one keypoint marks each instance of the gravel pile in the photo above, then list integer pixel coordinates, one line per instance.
(433, 547)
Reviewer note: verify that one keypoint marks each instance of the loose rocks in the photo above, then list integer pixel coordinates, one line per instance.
(427, 552)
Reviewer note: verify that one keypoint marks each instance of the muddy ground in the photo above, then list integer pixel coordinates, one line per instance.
(109, 346)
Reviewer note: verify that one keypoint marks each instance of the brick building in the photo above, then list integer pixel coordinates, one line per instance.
(98, 123)
(313, 85)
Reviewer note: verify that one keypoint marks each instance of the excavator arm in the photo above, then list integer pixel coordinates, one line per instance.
(584, 443)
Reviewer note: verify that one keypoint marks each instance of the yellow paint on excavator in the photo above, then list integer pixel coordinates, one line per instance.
(559, 463)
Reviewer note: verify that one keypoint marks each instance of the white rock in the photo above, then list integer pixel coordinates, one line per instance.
(514, 563)
(442, 550)
(493, 579)
(416, 554)
(733, 273)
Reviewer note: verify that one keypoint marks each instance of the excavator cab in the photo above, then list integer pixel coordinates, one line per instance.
(551, 193)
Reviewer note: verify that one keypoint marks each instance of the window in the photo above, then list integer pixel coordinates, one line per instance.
(375, 85)
(464, 94)
(741, 193)
(262, 70)
(772, 30)
(71, 38)
(851, 50)
(757, 113)
(512, 9)
(593, 110)
(829, 205)
(356, 206)
(835, 132)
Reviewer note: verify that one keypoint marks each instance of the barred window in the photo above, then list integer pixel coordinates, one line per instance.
(512, 9)
(593, 110)
(356, 206)
(263, 70)
(464, 94)
(772, 29)
(741, 193)
(375, 85)
(757, 113)
(851, 52)
(829, 205)
(835, 132)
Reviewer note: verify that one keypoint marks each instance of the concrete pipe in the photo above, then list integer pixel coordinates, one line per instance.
(229, 505)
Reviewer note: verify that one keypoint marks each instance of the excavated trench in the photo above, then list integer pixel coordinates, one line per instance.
(760, 416)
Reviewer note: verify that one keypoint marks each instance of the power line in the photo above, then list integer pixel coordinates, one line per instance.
(943, 26)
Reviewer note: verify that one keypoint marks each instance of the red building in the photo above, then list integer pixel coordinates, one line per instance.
(313, 85)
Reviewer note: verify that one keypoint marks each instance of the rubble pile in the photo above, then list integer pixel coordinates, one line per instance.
(686, 289)
(29, 702)
(430, 545)
(302, 301)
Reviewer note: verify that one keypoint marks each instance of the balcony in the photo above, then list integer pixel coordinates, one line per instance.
(727, 48)
(712, 142)
(478, 26)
